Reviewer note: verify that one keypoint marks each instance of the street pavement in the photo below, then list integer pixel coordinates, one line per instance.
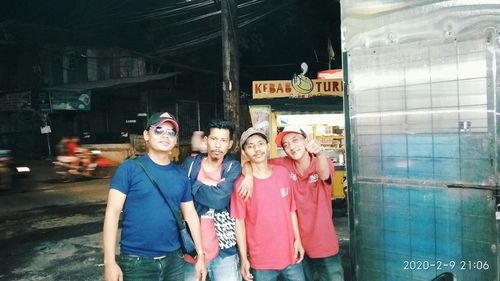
(53, 231)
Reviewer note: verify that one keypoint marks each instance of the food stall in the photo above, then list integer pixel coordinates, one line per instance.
(315, 105)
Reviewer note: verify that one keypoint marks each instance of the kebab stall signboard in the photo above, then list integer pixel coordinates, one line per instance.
(299, 87)
(285, 88)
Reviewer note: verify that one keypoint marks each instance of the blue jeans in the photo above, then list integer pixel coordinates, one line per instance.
(325, 269)
(166, 268)
(292, 272)
(219, 269)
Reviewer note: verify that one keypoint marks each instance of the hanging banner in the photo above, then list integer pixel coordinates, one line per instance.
(299, 87)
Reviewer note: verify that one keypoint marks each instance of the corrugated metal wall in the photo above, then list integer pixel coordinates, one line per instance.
(423, 90)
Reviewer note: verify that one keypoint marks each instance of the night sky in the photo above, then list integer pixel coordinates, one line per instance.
(275, 36)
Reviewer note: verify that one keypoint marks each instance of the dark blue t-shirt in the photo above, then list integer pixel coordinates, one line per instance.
(148, 226)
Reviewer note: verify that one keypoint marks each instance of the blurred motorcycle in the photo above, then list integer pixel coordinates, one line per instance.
(93, 165)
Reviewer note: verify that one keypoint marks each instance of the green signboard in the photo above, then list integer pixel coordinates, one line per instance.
(61, 100)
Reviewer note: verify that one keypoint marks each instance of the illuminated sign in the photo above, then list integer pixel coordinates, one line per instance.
(300, 88)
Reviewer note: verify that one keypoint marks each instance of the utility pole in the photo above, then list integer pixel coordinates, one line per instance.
(230, 63)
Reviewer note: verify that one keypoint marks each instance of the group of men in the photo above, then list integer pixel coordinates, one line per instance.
(270, 219)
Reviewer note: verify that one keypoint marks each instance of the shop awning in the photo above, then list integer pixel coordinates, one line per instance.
(310, 105)
(110, 83)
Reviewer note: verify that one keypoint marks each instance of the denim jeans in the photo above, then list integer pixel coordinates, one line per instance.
(324, 269)
(219, 269)
(167, 268)
(292, 272)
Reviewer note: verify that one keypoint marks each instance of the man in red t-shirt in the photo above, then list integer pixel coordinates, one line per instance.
(267, 222)
(311, 172)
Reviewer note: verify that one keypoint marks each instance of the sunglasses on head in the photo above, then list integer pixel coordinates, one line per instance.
(162, 130)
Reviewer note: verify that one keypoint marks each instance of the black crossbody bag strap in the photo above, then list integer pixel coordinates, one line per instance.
(176, 213)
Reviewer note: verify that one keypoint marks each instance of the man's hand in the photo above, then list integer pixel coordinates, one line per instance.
(201, 269)
(298, 250)
(245, 270)
(313, 146)
(113, 272)
(245, 189)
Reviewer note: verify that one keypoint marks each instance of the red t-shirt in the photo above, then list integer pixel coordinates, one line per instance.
(268, 221)
(314, 209)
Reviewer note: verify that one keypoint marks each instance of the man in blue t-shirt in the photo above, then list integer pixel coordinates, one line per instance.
(150, 246)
